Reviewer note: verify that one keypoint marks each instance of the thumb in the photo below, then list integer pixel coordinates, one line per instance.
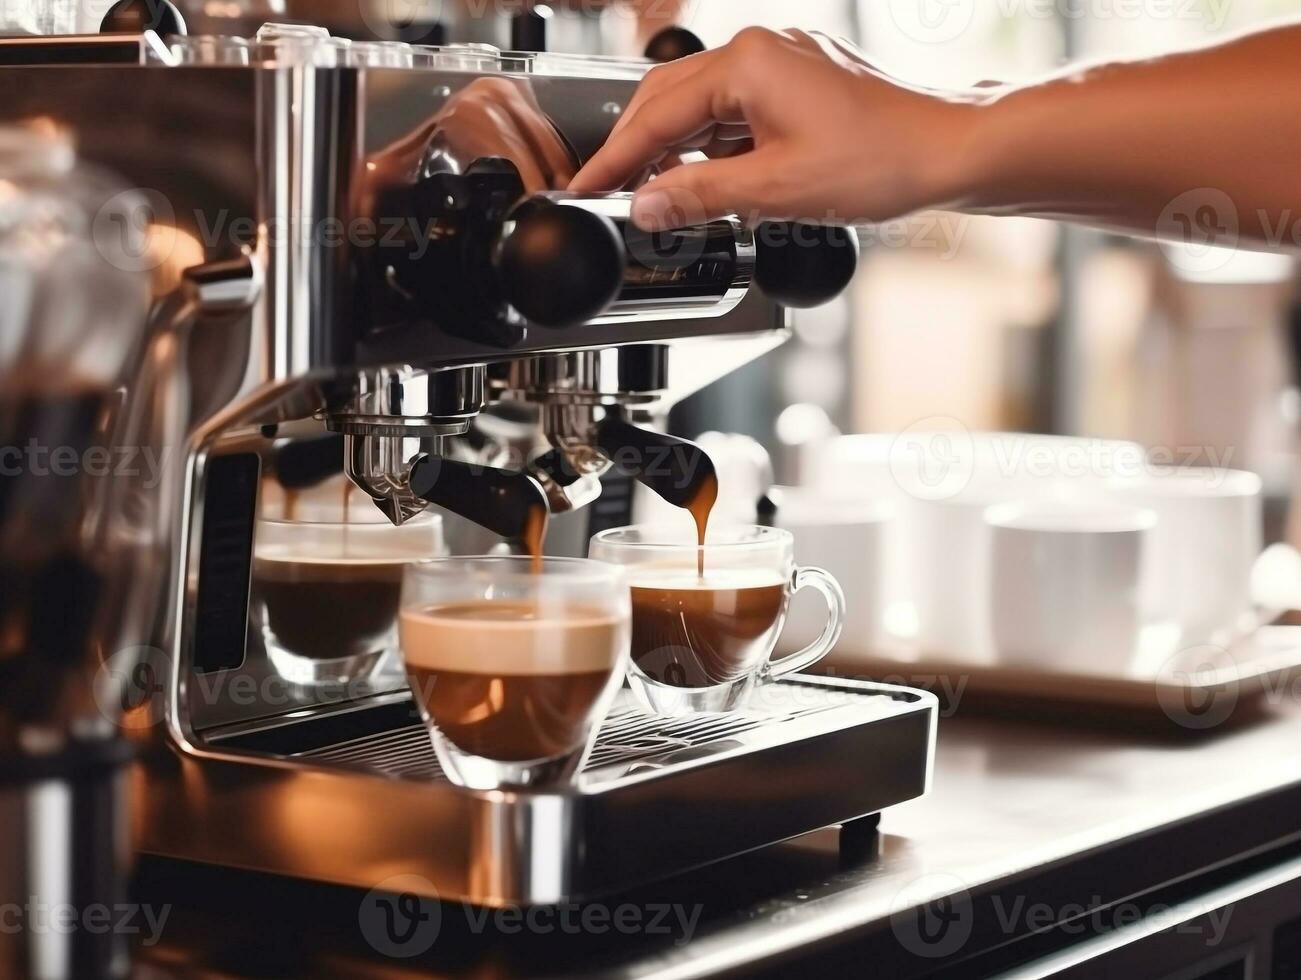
(698, 192)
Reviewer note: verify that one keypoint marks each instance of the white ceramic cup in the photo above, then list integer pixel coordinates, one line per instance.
(848, 536)
(941, 482)
(1208, 536)
(1064, 584)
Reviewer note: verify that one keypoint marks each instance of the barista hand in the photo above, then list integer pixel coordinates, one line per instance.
(796, 125)
(1202, 141)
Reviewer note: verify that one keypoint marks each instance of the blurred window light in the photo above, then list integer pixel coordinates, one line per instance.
(815, 376)
(803, 423)
(824, 326)
(1226, 266)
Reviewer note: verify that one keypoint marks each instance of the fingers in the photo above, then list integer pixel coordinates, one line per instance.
(699, 192)
(678, 116)
(661, 77)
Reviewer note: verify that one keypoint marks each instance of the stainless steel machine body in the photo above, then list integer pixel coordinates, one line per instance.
(337, 239)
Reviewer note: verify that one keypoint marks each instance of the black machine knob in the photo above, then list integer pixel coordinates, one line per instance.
(805, 265)
(559, 266)
(528, 30)
(799, 265)
(673, 43)
(138, 16)
(498, 262)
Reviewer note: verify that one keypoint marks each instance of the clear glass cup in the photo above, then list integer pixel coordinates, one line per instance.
(702, 642)
(514, 668)
(327, 593)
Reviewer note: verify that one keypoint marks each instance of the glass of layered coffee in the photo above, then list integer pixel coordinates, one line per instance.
(513, 666)
(705, 618)
(326, 593)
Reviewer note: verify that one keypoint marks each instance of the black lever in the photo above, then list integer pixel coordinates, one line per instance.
(559, 265)
(505, 502)
(675, 469)
(138, 16)
(799, 265)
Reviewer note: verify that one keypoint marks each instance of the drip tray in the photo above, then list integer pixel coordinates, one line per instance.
(357, 796)
(628, 736)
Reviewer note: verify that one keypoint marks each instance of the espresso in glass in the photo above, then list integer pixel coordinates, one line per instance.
(706, 618)
(691, 630)
(512, 669)
(327, 594)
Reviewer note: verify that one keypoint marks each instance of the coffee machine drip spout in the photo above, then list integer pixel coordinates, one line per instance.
(396, 416)
(380, 466)
(507, 502)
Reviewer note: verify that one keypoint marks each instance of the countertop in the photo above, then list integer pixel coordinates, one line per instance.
(1029, 823)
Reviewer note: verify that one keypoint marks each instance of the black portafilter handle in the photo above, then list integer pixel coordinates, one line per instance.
(138, 16)
(505, 502)
(673, 468)
(804, 265)
(799, 265)
(306, 463)
(559, 265)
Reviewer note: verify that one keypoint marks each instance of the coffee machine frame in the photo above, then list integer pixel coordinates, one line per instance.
(272, 144)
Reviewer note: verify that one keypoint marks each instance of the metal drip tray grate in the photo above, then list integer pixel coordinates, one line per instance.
(355, 795)
(629, 735)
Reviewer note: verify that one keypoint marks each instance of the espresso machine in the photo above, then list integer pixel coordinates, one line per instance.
(368, 246)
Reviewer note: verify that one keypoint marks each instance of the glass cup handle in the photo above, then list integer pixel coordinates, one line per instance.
(824, 582)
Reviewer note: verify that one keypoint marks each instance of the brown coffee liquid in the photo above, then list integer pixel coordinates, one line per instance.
(700, 506)
(535, 534)
(327, 610)
(510, 719)
(505, 681)
(694, 635)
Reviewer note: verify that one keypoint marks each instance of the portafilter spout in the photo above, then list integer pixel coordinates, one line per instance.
(397, 416)
(676, 469)
(507, 502)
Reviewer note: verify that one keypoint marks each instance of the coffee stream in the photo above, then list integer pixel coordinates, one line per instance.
(535, 534)
(701, 505)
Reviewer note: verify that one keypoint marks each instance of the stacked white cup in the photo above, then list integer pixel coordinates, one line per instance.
(1002, 544)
